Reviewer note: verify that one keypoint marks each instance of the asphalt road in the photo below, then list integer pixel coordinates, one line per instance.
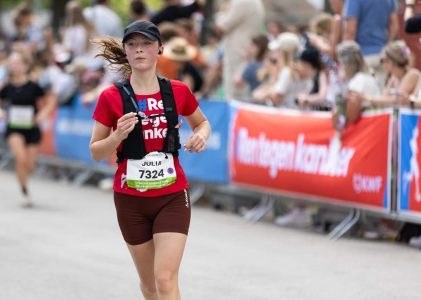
(68, 247)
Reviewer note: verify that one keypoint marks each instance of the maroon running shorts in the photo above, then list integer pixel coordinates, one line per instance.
(141, 217)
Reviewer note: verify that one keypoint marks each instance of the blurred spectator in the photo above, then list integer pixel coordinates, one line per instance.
(174, 10)
(274, 28)
(337, 23)
(310, 65)
(415, 98)
(78, 31)
(320, 35)
(55, 77)
(238, 23)
(180, 51)
(168, 31)
(268, 76)
(291, 81)
(402, 80)
(360, 84)
(165, 66)
(212, 53)
(91, 84)
(372, 24)
(28, 33)
(138, 10)
(279, 68)
(185, 28)
(248, 74)
(104, 19)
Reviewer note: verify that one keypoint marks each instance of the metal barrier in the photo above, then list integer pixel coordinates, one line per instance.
(280, 153)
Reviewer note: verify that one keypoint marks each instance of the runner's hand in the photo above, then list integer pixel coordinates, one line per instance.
(125, 125)
(2, 114)
(196, 143)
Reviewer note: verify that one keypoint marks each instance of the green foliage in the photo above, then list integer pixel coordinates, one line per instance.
(154, 4)
(9, 4)
(121, 7)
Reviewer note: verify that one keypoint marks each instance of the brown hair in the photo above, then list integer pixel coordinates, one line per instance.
(138, 7)
(321, 24)
(398, 53)
(23, 10)
(112, 50)
(261, 41)
(167, 30)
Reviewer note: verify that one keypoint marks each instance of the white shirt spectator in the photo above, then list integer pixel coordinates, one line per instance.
(365, 84)
(75, 39)
(106, 21)
(290, 87)
(240, 22)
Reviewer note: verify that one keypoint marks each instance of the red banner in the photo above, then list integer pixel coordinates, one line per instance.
(297, 153)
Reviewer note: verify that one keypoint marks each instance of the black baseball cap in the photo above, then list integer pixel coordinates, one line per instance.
(146, 28)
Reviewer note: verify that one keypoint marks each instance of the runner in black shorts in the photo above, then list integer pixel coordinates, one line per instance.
(19, 102)
(139, 118)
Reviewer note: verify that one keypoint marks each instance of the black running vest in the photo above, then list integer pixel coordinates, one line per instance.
(134, 144)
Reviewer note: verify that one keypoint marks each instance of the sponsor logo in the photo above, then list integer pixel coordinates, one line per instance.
(366, 184)
(293, 156)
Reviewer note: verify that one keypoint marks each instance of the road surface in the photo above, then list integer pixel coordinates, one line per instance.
(68, 247)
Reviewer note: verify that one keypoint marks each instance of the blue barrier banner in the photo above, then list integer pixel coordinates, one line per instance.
(409, 162)
(73, 130)
(212, 164)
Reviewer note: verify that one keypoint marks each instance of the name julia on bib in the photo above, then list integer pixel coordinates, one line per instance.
(151, 164)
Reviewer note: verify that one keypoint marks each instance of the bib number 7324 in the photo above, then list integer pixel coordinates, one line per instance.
(154, 174)
(156, 170)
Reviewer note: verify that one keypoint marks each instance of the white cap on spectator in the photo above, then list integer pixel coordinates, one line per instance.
(286, 41)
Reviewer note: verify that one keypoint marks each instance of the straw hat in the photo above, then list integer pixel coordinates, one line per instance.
(286, 41)
(179, 49)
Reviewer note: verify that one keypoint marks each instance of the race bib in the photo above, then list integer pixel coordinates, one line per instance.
(156, 170)
(21, 117)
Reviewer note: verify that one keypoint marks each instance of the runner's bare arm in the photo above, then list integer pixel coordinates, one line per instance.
(104, 143)
(201, 131)
(49, 105)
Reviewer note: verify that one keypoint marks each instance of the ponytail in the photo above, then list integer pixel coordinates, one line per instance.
(112, 50)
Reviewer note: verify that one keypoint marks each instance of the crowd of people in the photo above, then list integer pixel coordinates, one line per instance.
(245, 57)
(345, 62)
(353, 54)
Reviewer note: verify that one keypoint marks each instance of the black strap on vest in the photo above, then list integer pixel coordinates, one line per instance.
(134, 144)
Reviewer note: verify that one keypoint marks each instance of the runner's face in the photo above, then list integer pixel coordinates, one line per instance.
(16, 64)
(142, 53)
